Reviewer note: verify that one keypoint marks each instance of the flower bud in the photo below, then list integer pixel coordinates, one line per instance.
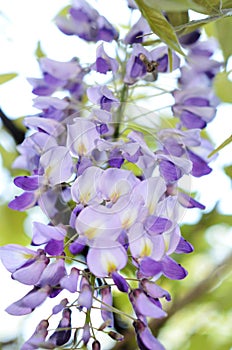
(96, 345)
(116, 336)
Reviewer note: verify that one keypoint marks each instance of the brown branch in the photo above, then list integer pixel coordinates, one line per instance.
(213, 278)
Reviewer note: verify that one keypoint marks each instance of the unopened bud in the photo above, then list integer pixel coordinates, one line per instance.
(116, 336)
(105, 324)
(96, 345)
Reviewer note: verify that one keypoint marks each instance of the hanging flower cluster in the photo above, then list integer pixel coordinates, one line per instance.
(112, 200)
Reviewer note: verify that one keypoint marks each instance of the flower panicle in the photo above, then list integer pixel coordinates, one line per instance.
(112, 199)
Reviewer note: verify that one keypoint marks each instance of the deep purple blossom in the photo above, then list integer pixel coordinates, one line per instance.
(104, 63)
(103, 97)
(30, 301)
(25, 264)
(136, 33)
(143, 305)
(86, 296)
(106, 312)
(60, 337)
(145, 338)
(142, 62)
(38, 337)
(195, 107)
(85, 21)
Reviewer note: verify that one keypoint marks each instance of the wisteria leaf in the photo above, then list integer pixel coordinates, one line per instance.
(219, 29)
(228, 171)
(213, 6)
(6, 77)
(159, 24)
(64, 11)
(222, 145)
(39, 53)
(223, 87)
(195, 24)
(177, 18)
(170, 5)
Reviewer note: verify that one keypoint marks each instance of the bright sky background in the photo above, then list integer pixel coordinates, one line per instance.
(22, 24)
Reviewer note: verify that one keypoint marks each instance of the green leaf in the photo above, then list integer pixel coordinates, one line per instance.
(64, 12)
(159, 25)
(11, 227)
(177, 18)
(214, 6)
(223, 87)
(222, 145)
(222, 28)
(228, 171)
(195, 24)
(6, 77)
(209, 6)
(39, 53)
(170, 5)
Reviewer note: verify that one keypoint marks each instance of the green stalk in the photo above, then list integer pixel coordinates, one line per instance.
(121, 108)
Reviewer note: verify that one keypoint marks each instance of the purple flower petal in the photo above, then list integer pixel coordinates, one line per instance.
(57, 165)
(82, 136)
(153, 290)
(31, 272)
(135, 35)
(23, 202)
(169, 171)
(14, 256)
(106, 257)
(184, 247)
(57, 308)
(144, 306)
(146, 340)
(157, 225)
(69, 282)
(38, 337)
(54, 247)
(50, 126)
(78, 245)
(60, 70)
(171, 269)
(43, 233)
(85, 297)
(53, 273)
(27, 183)
(107, 298)
(120, 282)
(150, 267)
(189, 202)
(62, 336)
(29, 302)
(200, 167)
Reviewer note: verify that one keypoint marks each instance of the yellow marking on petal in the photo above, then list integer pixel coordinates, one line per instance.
(114, 197)
(111, 267)
(147, 248)
(108, 261)
(127, 222)
(47, 172)
(81, 149)
(91, 232)
(85, 197)
(29, 256)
